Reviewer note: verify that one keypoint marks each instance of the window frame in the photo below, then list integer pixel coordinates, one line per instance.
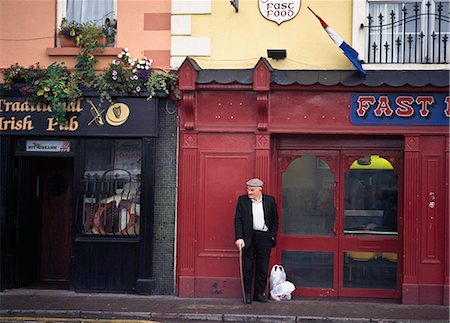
(360, 11)
(61, 10)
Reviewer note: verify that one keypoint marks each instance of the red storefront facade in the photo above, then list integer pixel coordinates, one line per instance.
(359, 168)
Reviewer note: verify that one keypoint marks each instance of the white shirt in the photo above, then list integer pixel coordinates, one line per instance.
(258, 216)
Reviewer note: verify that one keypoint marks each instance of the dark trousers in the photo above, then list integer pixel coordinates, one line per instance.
(257, 255)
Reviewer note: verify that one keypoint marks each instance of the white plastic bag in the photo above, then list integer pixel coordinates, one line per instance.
(280, 289)
(277, 276)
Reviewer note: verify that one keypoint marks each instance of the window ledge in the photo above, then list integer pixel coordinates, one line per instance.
(73, 51)
(400, 67)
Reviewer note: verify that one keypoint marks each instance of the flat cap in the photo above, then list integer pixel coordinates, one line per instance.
(255, 182)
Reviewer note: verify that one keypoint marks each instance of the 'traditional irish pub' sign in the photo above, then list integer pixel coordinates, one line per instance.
(87, 117)
(400, 109)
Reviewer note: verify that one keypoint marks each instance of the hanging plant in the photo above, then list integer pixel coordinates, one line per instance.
(133, 76)
(56, 86)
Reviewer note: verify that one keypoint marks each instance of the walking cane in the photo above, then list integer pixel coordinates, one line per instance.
(242, 274)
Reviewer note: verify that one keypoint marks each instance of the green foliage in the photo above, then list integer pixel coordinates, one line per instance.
(57, 86)
(164, 82)
(68, 29)
(17, 74)
(133, 76)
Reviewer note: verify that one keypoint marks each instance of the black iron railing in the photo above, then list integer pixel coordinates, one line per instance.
(111, 204)
(415, 33)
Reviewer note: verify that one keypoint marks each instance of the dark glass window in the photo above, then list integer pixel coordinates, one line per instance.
(376, 270)
(111, 187)
(371, 191)
(308, 198)
(309, 268)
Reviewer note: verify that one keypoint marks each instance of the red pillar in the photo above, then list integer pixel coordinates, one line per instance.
(446, 300)
(411, 247)
(187, 188)
(187, 210)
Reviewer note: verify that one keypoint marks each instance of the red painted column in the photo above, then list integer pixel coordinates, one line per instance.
(261, 85)
(187, 210)
(446, 300)
(262, 160)
(187, 184)
(411, 199)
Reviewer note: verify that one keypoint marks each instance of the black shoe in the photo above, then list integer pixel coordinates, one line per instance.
(260, 298)
(248, 299)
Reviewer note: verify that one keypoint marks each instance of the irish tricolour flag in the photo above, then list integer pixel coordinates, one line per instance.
(348, 51)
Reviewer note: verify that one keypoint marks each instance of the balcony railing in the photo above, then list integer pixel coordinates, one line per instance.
(412, 33)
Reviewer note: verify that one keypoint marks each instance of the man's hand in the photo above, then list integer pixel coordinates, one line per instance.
(240, 243)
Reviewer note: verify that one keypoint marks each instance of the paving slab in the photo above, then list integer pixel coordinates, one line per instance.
(68, 304)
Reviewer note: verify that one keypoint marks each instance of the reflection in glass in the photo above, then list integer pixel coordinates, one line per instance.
(377, 270)
(308, 198)
(308, 268)
(371, 191)
(111, 187)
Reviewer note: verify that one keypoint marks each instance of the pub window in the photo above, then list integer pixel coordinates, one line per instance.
(103, 13)
(111, 188)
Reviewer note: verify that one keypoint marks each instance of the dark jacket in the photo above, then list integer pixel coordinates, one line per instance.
(243, 219)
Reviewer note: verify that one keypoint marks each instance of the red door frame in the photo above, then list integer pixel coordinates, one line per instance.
(339, 161)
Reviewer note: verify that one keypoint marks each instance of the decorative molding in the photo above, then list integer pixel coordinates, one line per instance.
(412, 143)
(261, 75)
(225, 87)
(262, 104)
(262, 159)
(189, 140)
(262, 141)
(187, 103)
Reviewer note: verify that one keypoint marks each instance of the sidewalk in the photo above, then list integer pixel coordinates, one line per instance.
(68, 304)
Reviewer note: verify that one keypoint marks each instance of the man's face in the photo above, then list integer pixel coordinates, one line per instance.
(254, 192)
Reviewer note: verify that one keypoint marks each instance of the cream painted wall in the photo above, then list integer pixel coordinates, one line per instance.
(238, 40)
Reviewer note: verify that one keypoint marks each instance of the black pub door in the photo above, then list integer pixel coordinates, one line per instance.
(44, 217)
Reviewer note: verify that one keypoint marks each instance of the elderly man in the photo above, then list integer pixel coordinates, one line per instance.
(255, 225)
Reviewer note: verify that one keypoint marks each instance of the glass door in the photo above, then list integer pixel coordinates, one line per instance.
(370, 235)
(308, 245)
(339, 223)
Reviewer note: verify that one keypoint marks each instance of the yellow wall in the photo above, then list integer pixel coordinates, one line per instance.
(238, 40)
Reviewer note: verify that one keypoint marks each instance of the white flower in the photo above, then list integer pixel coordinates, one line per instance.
(125, 49)
(114, 77)
(114, 72)
(120, 55)
(138, 89)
